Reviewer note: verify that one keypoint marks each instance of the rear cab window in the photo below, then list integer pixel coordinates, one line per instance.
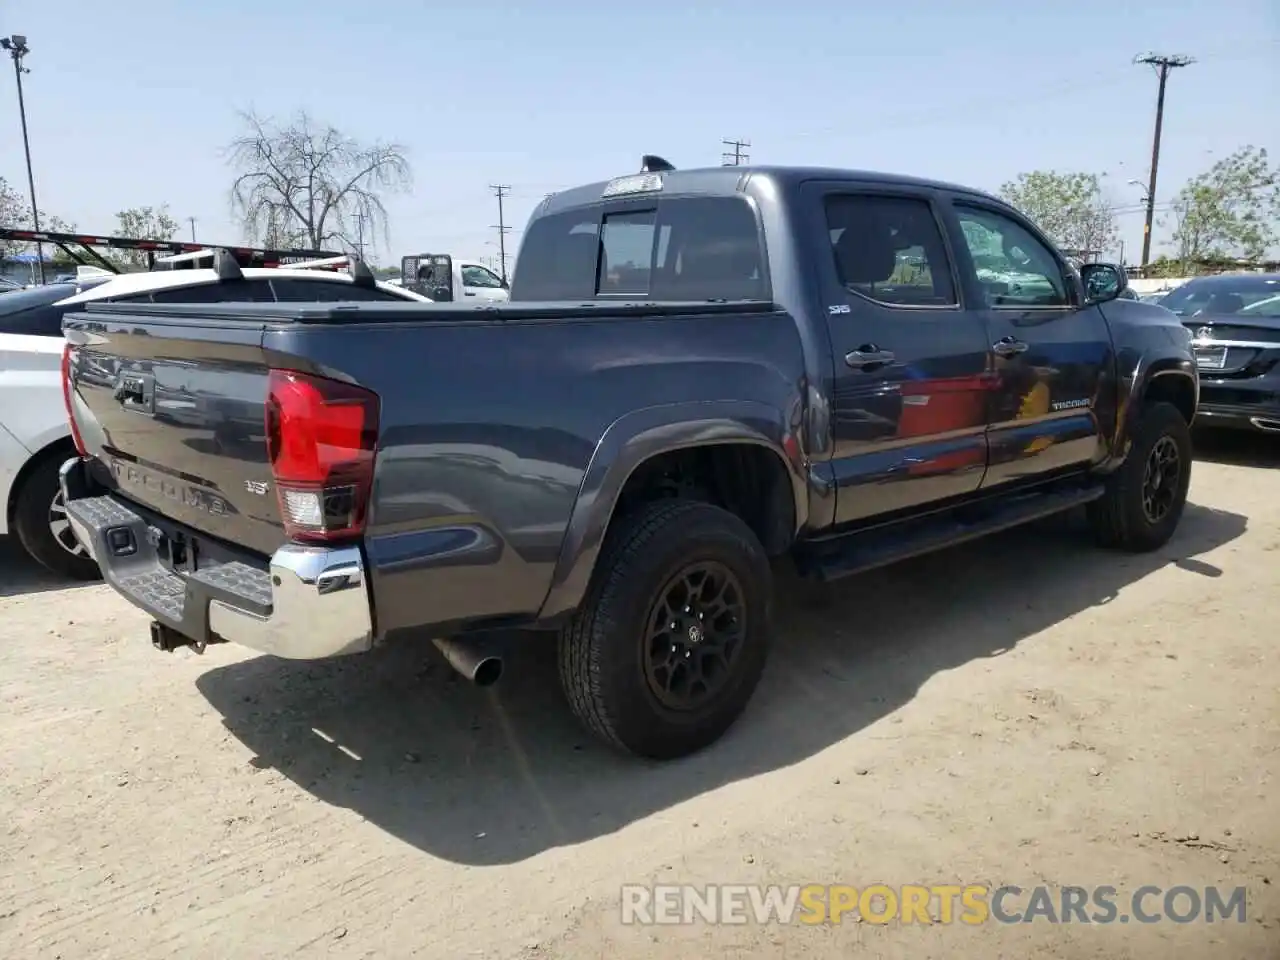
(672, 248)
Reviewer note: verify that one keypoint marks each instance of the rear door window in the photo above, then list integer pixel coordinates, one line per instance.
(889, 249)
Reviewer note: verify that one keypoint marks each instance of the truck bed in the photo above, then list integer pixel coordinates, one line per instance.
(171, 403)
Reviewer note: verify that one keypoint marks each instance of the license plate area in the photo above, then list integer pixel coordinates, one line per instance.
(1211, 358)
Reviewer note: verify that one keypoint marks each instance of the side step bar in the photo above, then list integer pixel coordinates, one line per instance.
(860, 551)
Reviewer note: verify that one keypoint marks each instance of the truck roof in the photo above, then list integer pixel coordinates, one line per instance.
(722, 181)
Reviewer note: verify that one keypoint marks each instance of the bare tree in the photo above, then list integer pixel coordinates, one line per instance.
(306, 182)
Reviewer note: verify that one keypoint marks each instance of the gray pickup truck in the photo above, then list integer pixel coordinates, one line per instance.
(699, 372)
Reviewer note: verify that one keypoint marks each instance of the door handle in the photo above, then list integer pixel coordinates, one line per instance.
(868, 357)
(468, 293)
(1009, 347)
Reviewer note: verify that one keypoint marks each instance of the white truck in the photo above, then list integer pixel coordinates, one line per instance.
(444, 279)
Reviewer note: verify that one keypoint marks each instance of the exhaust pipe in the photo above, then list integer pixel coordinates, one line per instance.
(1266, 423)
(472, 659)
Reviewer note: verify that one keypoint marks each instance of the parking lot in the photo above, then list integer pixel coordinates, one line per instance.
(1026, 710)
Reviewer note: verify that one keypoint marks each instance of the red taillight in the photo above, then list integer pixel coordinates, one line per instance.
(321, 438)
(66, 400)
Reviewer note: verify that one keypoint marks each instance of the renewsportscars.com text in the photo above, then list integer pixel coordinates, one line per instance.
(927, 904)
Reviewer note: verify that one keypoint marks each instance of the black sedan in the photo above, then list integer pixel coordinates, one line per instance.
(1235, 323)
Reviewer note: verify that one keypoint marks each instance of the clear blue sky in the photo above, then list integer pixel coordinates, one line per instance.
(130, 102)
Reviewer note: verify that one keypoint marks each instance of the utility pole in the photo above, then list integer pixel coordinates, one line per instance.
(192, 221)
(360, 234)
(1162, 65)
(501, 190)
(736, 158)
(17, 47)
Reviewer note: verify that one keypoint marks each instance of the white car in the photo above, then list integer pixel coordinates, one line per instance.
(34, 436)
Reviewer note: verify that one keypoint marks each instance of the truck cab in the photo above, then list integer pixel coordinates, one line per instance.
(443, 279)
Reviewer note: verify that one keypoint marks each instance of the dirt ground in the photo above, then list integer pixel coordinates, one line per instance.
(1023, 711)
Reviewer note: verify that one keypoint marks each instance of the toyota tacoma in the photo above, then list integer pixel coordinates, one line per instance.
(699, 373)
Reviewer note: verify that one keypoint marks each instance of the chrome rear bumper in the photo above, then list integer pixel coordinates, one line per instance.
(306, 603)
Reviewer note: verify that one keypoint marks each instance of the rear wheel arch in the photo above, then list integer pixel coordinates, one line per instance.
(748, 479)
(641, 445)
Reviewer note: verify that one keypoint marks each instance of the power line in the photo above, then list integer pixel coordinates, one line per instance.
(736, 158)
(1162, 64)
(501, 190)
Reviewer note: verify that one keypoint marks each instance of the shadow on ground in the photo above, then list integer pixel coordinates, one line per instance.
(19, 574)
(436, 762)
(1238, 448)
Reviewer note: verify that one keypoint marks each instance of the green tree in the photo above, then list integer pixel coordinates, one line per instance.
(1069, 207)
(143, 223)
(1232, 210)
(15, 213)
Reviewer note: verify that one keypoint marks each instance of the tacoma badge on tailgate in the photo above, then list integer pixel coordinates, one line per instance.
(170, 489)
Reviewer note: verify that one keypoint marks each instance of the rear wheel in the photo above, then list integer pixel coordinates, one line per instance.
(41, 524)
(672, 639)
(1145, 498)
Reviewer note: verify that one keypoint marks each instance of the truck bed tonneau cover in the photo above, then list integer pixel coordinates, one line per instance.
(377, 312)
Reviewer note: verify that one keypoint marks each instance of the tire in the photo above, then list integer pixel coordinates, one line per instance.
(1120, 519)
(49, 542)
(603, 651)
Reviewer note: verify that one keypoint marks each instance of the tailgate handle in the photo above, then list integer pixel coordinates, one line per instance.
(129, 389)
(136, 391)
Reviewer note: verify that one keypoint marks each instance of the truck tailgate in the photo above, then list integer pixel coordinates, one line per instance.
(173, 408)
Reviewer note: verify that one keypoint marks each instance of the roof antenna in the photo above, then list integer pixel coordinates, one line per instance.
(652, 163)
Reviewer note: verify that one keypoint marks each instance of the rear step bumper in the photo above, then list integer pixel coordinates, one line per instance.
(310, 602)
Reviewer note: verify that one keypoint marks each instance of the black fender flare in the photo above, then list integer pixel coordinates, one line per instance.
(638, 436)
(1137, 385)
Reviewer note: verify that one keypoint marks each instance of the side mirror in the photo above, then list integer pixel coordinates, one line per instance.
(1103, 281)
